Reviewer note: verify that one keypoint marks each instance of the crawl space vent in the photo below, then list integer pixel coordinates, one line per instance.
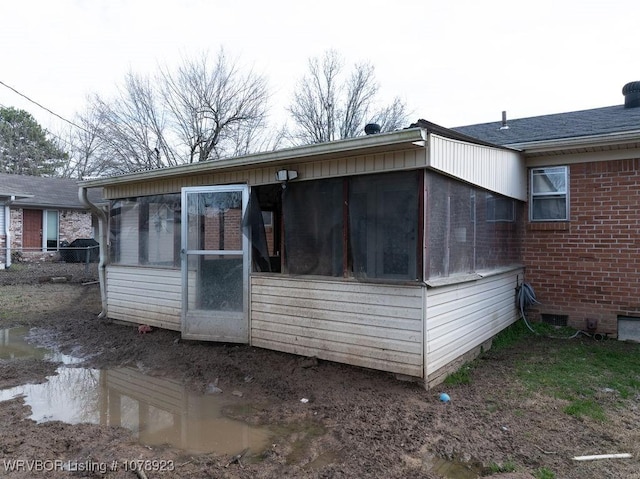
(555, 319)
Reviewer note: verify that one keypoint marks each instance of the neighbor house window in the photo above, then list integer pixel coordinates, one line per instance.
(549, 194)
(51, 229)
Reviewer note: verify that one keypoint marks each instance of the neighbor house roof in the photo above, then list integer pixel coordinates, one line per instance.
(41, 192)
(575, 124)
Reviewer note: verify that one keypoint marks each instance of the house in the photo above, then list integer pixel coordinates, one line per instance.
(581, 241)
(37, 214)
(394, 251)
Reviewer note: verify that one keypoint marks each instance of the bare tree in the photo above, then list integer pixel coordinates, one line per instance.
(85, 146)
(200, 111)
(133, 126)
(214, 107)
(327, 105)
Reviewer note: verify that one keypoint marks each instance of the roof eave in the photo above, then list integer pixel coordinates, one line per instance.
(591, 141)
(409, 138)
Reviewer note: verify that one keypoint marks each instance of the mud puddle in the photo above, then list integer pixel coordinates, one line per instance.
(157, 410)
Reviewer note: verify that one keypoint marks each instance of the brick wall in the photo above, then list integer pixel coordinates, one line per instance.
(589, 267)
(72, 224)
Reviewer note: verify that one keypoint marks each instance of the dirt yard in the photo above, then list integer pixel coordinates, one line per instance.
(356, 424)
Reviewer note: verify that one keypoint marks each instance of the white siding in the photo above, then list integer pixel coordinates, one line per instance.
(145, 296)
(496, 169)
(463, 316)
(369, 325)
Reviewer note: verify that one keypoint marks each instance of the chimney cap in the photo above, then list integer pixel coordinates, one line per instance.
(631, 87)
(631, 92)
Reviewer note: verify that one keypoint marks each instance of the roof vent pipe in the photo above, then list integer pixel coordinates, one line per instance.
(504, 125)
(631, 92)
(372, 128)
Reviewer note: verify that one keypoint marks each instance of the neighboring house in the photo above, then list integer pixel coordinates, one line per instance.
(581, 244)
(37, 214)
(396, 251)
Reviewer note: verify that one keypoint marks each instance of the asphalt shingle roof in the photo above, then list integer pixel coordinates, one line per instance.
(44, 192)
(597, 121)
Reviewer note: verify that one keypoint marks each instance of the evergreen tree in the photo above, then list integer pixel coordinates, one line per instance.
(25, 148)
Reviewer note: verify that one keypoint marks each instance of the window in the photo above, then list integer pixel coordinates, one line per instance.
(364, 226)
(549, 194)
(469, 229)
(313, 224)
(383, 219)
(51, 229)
(146, 231)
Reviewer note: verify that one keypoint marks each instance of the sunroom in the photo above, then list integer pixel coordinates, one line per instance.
(397, 251)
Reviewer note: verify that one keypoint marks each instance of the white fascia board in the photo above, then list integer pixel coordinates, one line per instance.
(592, 141)
(409, 138)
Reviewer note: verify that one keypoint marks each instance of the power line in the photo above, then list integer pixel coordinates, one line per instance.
(41, 106)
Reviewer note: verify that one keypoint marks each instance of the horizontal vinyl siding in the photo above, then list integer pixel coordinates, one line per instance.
(461, 317)
(495, 169)
(145, 296)
(369, 325)
(355, 165)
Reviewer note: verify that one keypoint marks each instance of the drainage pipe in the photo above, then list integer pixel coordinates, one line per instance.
(7, 231)
(102, 234)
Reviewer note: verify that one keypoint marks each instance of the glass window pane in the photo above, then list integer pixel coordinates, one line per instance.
(52, 230)
(549, 180)
(215, 221)
(549, 208)
(215, 282)
(146, 231)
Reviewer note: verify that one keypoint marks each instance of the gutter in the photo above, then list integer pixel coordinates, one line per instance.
(102, 233)
(7, 230)
(555, 144)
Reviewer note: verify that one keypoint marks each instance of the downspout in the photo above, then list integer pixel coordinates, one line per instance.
(102, 233)
(7, 231)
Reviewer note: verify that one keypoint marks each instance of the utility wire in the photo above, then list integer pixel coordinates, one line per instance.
(42, 106)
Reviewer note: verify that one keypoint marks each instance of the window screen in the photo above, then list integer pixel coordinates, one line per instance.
(313, 227)
(383, 225)
(146, 230)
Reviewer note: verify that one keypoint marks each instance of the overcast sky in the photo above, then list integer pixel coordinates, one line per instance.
(454, 62)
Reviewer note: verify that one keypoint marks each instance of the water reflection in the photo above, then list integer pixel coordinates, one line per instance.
(157, 410)
(14, 344)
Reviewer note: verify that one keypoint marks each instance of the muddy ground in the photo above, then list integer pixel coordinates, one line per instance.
(357, 423)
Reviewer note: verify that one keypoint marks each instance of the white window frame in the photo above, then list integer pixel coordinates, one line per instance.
(45, 230)
(533, 195)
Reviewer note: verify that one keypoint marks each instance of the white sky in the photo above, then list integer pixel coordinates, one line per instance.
(454, 62)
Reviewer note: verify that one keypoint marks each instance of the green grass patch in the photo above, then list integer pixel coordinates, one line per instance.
(508, 466)
(461, 376)
(585, 407)
(544, 473)
(577, 369)
(510, 336)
